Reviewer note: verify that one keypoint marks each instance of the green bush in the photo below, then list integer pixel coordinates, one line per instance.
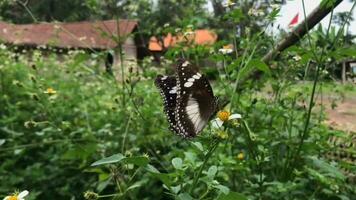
(59, 117)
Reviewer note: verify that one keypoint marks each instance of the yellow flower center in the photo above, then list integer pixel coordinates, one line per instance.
(223, 115)
(12, 197)
(229, 46)
(240, 156)
(50, 91)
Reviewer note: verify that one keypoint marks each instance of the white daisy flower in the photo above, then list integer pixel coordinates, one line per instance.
(227, 49)
(17, 196)
(224, 116)
(297, 58)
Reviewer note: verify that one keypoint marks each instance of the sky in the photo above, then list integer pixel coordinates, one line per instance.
(291, 8)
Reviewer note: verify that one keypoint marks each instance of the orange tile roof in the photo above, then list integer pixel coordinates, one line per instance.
(200, 37)
(86, 34)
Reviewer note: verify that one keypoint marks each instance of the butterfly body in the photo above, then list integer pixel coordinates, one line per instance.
(189, 102)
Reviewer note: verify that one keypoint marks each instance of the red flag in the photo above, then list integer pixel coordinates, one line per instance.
(294, 21)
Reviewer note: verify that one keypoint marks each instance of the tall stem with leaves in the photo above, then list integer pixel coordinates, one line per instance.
(319, 60)
(213, 146)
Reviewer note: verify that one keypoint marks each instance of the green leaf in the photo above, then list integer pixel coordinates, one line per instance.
(103, 184)
(185, 196)
(2, 141)
(109, 160)
(135, 185)
(212, 171)
(165, 178)
(327, 168)
(259, 64)
(347, 52)
(274, 14)
(236, 15)
(253, 64)
(223, 189)
(177, 163)
(137, 160)
(152, 169)
(190, 157)
(232, 196)
(176, 189)
(198, 145)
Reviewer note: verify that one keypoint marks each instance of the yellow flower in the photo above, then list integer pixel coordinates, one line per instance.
(240, 156)
(50, 91)
(224, 116)
(17, 196)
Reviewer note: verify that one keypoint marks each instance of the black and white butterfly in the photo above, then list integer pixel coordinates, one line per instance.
(189, 101)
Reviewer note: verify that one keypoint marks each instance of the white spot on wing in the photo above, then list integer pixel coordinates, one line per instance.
(188, 84)
(196, 76)
(191, 79)
(186, 63)
(164, 77)
(173, 90)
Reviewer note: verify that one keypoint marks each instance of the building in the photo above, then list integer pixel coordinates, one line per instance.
(348, 71)
(158, 46)
(96, 36)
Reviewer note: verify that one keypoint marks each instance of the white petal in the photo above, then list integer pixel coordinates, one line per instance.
(23, 194)
(217, 123)
(7, 197)
(235, 116)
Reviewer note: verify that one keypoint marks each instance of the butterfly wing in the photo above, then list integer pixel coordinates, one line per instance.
(195, 100)
(168, 89)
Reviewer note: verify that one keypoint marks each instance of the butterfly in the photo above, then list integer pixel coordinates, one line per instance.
(189, 101)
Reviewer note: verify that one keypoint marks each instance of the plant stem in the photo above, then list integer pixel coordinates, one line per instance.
(311, 102)
(255, 156)
(108, 195)
(125, 135)
(207, 157)
(27, 10)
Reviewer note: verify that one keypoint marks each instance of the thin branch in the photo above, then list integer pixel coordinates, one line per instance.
(24, 4)
(302, 29)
